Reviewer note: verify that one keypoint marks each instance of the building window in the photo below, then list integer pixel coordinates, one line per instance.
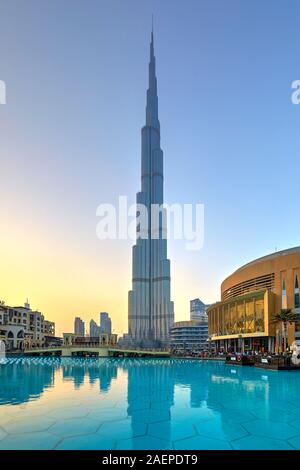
(249, 327)
(283, 295)
(259, 315)
(296, 293)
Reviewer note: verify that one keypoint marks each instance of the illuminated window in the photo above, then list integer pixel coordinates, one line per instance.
(249, 316)
(296, 293)
(283, 295)
(240, 323)
(259, 315)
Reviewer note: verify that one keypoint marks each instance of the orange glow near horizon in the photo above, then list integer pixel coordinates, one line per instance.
(64, 279)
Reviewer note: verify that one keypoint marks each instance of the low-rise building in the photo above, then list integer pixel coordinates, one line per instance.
(125, 341)
(22, 327)
(189, 336)
(104, 339)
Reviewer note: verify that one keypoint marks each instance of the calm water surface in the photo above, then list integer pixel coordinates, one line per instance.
(73, 403)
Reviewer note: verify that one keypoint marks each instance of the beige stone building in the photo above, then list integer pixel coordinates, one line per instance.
(21, 327)
(104, 339)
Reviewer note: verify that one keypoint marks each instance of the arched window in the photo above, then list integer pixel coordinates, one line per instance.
(283, 295)
(296, 293)
(10, 334)
(20, 334)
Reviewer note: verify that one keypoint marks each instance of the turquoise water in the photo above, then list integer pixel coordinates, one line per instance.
(73, 403)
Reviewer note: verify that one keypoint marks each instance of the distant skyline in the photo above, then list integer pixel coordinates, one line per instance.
(75, 75)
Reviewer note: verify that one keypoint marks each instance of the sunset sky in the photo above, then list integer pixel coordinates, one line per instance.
(76, 78)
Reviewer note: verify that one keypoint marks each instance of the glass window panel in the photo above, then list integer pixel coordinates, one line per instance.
(259, 315)
(240, 317)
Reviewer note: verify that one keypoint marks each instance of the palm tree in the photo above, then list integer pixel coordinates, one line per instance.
(285, 316)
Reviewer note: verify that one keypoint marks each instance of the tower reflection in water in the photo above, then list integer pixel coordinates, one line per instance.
(102, 371)
(22, 380)
(150, 382)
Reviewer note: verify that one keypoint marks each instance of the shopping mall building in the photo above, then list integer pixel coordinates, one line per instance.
(250, 297)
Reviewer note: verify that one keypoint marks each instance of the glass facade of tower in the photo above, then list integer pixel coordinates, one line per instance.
(105, 323)
(79, 326)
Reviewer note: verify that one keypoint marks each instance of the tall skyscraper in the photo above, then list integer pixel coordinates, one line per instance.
(105, 323)
(78, 327)
(150, 310)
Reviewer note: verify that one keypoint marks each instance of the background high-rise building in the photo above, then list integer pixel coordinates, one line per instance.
(189, 335)
(105, 323)
(198, 309)
(79, 326)
(94, 329)
(193, 334)
(150, 310)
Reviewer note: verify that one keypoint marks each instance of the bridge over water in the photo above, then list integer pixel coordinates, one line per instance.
(100, 351)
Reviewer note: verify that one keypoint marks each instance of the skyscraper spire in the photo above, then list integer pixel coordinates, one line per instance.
(152, 99)
(152, 47)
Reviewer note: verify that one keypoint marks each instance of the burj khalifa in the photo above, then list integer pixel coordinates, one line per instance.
(150, 309)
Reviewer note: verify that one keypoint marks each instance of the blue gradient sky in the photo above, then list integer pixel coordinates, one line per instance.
(76, 76)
